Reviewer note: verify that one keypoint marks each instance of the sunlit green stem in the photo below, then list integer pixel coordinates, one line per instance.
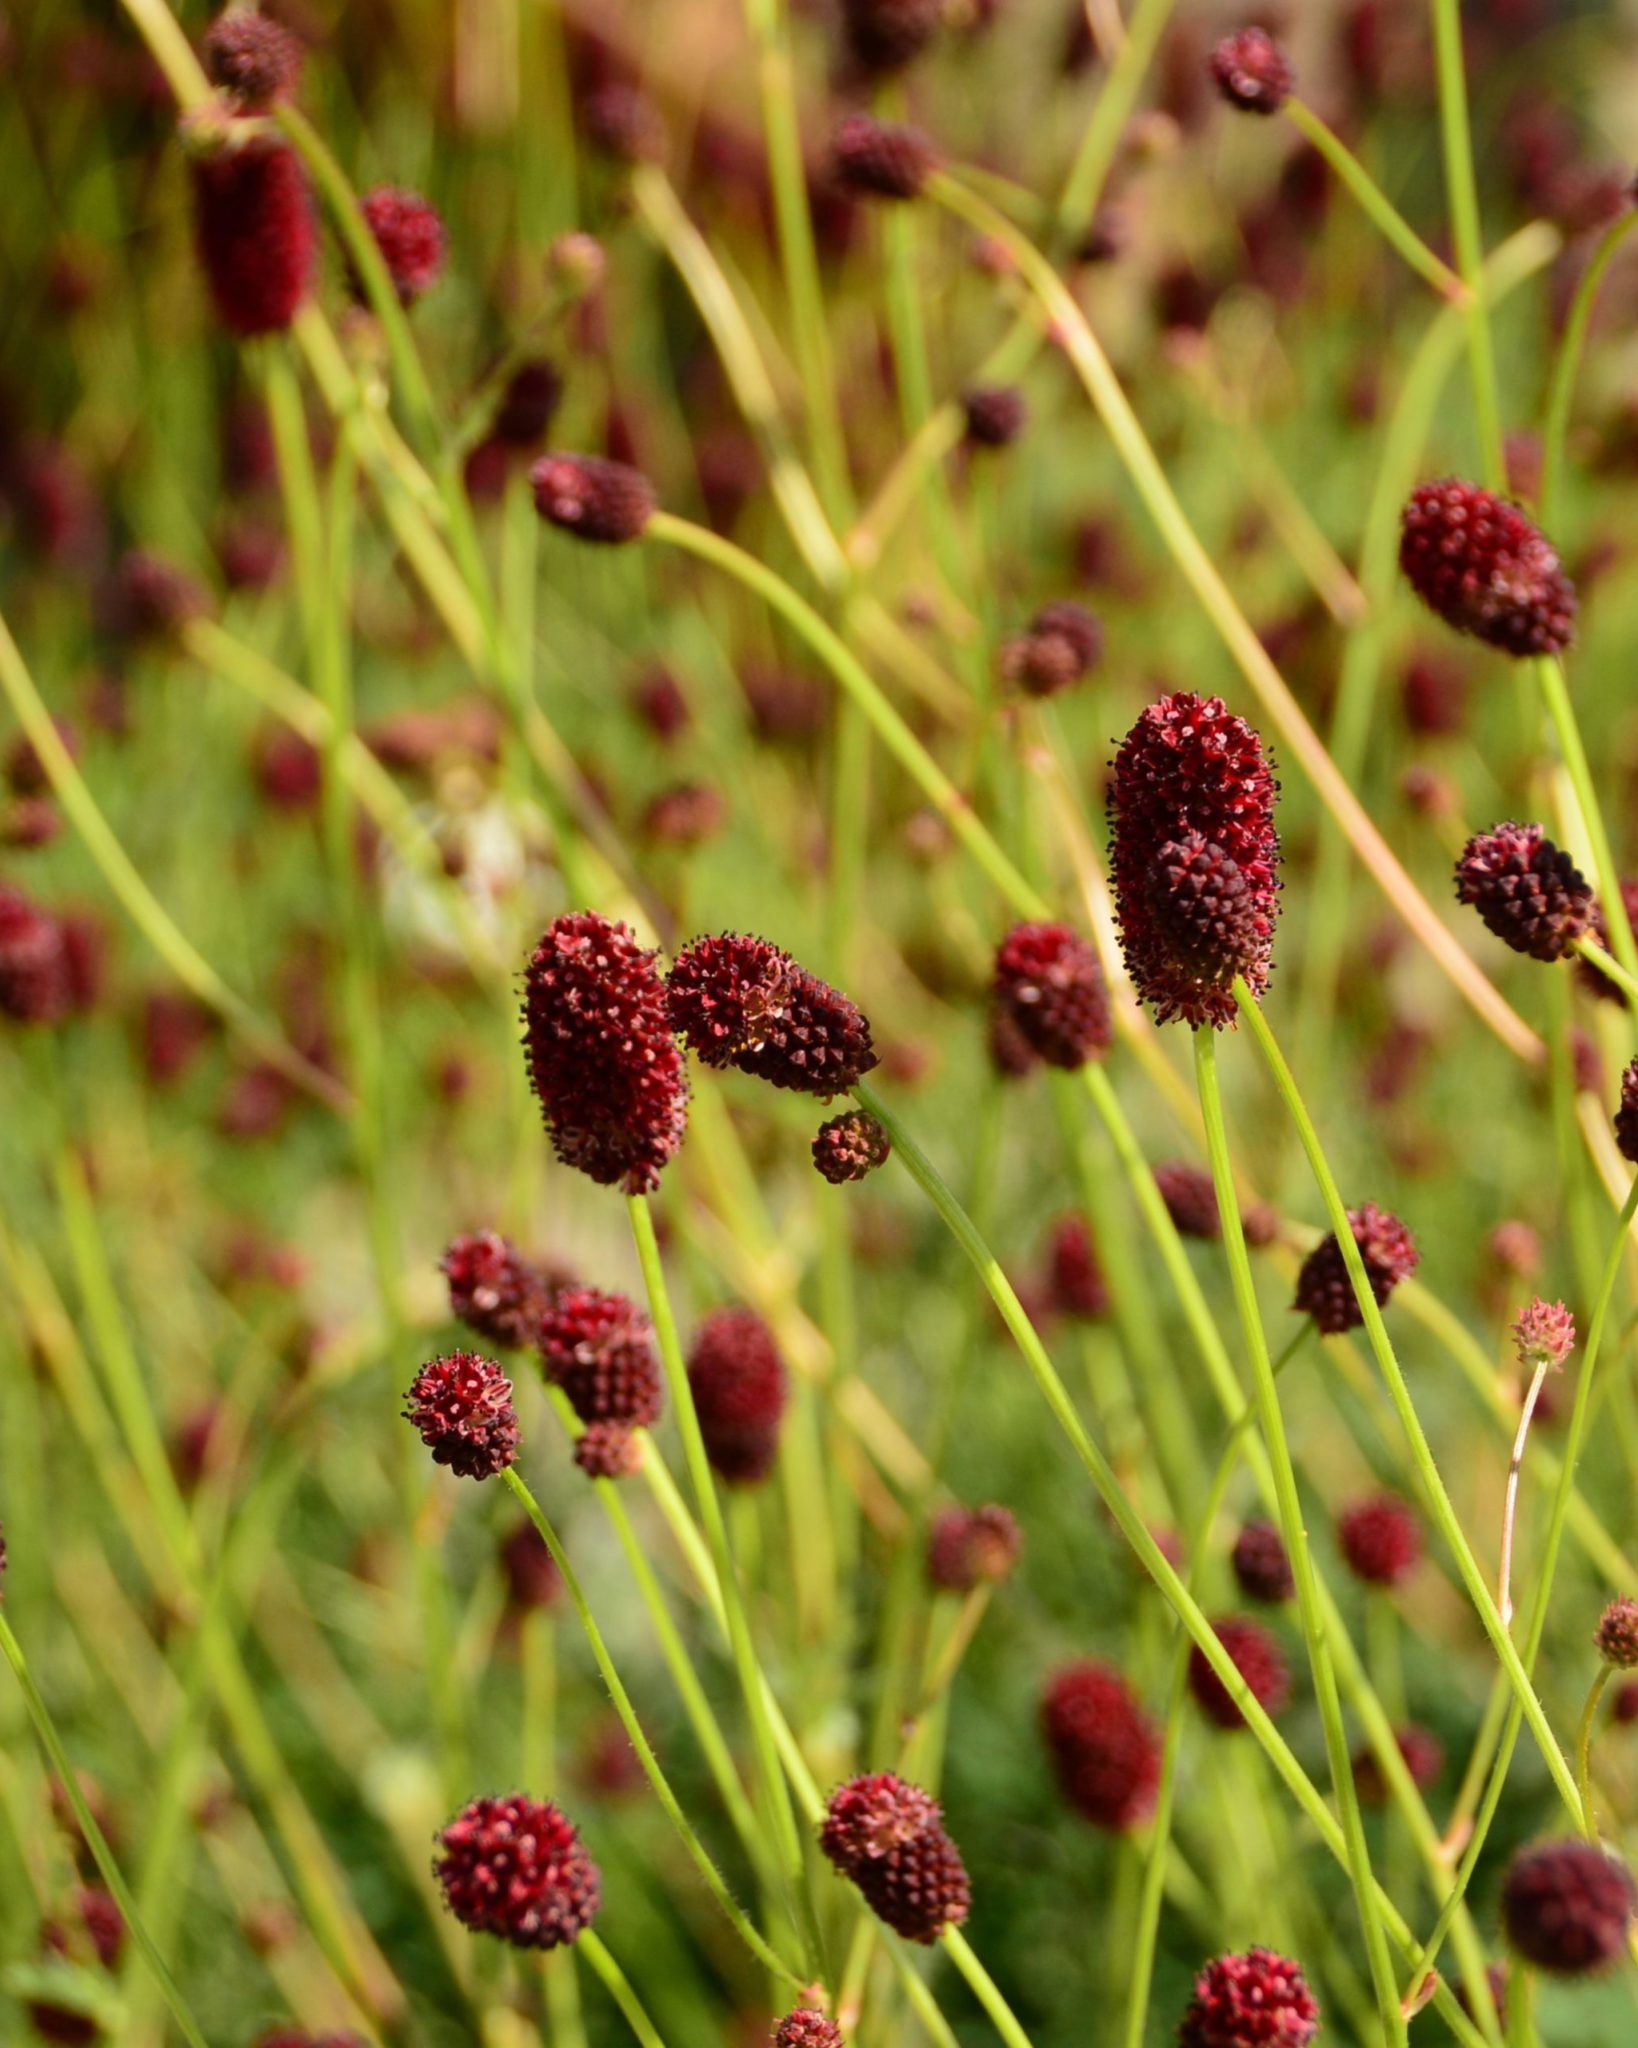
(1381, 211)
(1465, 231)
(1583, 1750)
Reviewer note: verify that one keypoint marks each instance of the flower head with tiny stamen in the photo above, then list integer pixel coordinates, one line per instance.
(888, 1836)
(806, 2028)
(516, 1867)
(1528, 891)
(1325, 1289)
(461, 1405)
(1617, 1635)
(599, 1348)
(740, 1001)
(1049, 985)
(1254, 2000)
(1486, 569)
(850, 1147)
(1543, 1336)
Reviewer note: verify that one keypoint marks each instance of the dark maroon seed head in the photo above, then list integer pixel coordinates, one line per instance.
(608, 1450)
(516, 1868)
(1626, 1115)
(1258, 1659)
(737, 1379)
(1486, 569)
(1075, 1282)
(1254, 2000)
(1527, 890)
(888, 1836)
(1103, 1748)
(1195, 858)
(1567, 1907)
(742, 1002)
(1063, 645)
(592, 498)
(255, 233)
(1324, 1289)
(599, 1348)
(969, 1547)
(527, 405)
(1049, 985)
(1252, 72)
(885, 35)
(461, 1406)
(879, 159)
(251, 59)
(36, 984)
(494, 1289)
(996, 415)
(1617, 1634)
(806, 2028)
(410, 236)
(870, 1816)
(1190, 1196)
(1424, 1759)
(601, 1056)
(1381, 1540)
(849, 1147)
(1262, 1565)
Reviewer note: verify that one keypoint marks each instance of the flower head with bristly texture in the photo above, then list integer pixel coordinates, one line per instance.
(251, 59)
(743, 1002)
(737, 1379)
(1194, 858)
(516, 1867)
(461, 1406)
(599, 1348)
(1381, 1540)
(1617, 1634)
(888, 1836)
(1486, 569)
(1568, 1906)
(1257, 1657)
(1103, 1748)
(806, 2028)
(494, 1289)
(601, 1055)
(1528, 891)
(410, 236)
(1254, 2000)
(1050, 987)
(850, 1147)
(1325, 1289)
(256, 234)
(1543, 1336)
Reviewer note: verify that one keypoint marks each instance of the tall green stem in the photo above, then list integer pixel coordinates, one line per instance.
(1466, 232)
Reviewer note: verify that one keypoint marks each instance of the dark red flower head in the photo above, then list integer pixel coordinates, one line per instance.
(601, 1056)
(1624, 1703)
(806, 2028)
(1190, 1196)
(742, 1002)
(494, 1289)
(850, 1146)
(1075, 1282)
(531, 1573)
(608, 1450)
(1262, 1565)
(1527, 890)
(593, 498)
(1381, 1540)
(1626, 1115)
(1567, 1907)
(1254, 2000)
(1104, 1750)
(251, 59)
(1063, 645)
(1486, 569)
(462, 1406)
(1195, 857)
(624, 123)
(879, 159)
(1050, 987)
(599, 1348)
(888, 1837)
(1617, 1634)
(737, 1378)
(996, 414)
(1252, 72)
(530, 399)
(1424, 1756)
(36, 984)
(1258, 1659)
(410, 236)
(1324, 1290)
(516, 1868)
(968, 1547)
(884, 35)
(255, 233)
(147, 597)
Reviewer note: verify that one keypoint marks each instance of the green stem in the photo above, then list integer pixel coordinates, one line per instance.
(1292, 1530)
(1465, 231)
(1383, 214)
(984, 1988)
(618, 1986)
(1117, 96)
(1567, 363)
(661, 1785)
(51, 1742)
(1583, 1751)
(1550, 675)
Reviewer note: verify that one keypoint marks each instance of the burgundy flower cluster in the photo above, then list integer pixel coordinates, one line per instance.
(1103, 1747)
(1324, 1289)
(738, 1382)
(888, 1836)
(1254, 2000)
(516, 1868)
(599, 1348)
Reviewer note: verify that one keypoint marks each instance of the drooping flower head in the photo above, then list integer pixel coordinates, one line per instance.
(601, 1056)
(1254, 2000)
(1567, 1907)
(743, 1002)
(849, 1147)
(1194, 857)
(888, 1836)
(1485, 568)
(1324, 1290)
(1103, 1747)
(1528, 891)
(599, 1348)
(410, 236)
(461, 1405)
(255, 233)
(1050, 987)
(737, 1378)
(516, 1868)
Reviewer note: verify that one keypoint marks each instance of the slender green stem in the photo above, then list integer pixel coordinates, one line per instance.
(1466, 232)
(985, 1989)
(1426, 1466)
(1550, 675)
(1566, 364)
(1583, 1750)
(1521, 2008)
(618, 1986)
(1382, 212)
(657, 1779)
(51, 1742)
(1294, 1534)
(1117, 96)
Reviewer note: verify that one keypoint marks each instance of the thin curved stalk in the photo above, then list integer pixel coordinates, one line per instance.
(1583, 1750)
(1465, 230)
(1567, 363)
(984, 1988)
(1555, 693)
(618, 1986)
(1117, 96)
(1378, 207)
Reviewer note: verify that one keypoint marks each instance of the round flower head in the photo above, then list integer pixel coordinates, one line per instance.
(461, 1405)
(1258, 1659)
(592, 498)
(1324, 1289)
(608, 1450)
(1251, 72)
(516, 1868)
(36, 985)
(410, 236)
(806, 2028)
(494, 1289)
(1076, 1286)
(1617, 1635)
(968, 1547)
(1486, 569)
(1254, 2000)
(1528, 891)
(1567, 1907)
(255, 233)
(1190, 1196)
(1049, 985)
(1543, 1336)
(1195, 857)
(1381, 1540)
(884, 35)
(1103, 1749)
(888, 1837)
(996, 415)
(599, 1348)
(737, 1378)
(1063, 645)
(601, 1056)
(251, 59)
(528, 404)
(742, 1002)
(1626, 1116)
(880, 159)
(1262, 1565)
(1424, 1758)
(849, 1147)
